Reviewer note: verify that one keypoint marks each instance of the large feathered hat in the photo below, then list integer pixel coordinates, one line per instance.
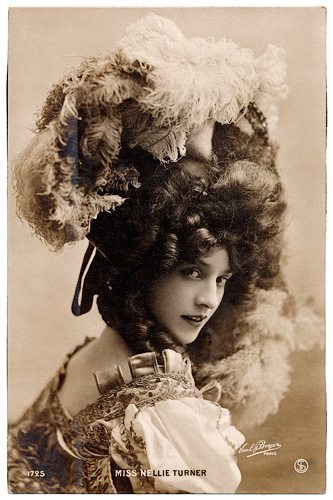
(159, 91)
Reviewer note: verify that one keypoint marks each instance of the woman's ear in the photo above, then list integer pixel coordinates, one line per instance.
(199, 143)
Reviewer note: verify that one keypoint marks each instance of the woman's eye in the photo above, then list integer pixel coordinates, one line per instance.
(191, 272)
(221, 280)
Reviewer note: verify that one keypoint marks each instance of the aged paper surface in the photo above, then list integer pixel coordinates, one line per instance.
(44, 43)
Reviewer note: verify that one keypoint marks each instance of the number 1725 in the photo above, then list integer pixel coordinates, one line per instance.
(36, 473)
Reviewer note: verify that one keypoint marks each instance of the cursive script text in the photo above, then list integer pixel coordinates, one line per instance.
(260, 447)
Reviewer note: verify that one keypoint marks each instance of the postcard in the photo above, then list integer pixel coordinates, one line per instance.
(166, 250)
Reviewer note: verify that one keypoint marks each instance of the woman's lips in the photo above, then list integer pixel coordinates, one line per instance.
(195, 319)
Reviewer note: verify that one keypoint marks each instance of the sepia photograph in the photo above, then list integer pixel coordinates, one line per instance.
(166, 250)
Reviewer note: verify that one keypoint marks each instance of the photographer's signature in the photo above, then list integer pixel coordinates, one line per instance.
(259, 448)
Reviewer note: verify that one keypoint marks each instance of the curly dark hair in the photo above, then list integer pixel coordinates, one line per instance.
(236, 202)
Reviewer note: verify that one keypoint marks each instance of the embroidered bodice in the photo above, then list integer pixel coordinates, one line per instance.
(149, 425)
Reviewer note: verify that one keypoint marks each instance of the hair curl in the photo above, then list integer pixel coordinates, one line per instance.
(176, 216)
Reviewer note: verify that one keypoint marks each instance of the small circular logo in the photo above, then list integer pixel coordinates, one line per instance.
(301, 466)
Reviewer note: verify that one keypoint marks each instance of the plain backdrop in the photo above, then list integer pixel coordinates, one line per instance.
(45, 43)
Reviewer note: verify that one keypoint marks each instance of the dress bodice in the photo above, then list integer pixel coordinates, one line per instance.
(149, 423)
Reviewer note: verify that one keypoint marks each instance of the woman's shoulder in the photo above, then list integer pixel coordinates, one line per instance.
(108, 363)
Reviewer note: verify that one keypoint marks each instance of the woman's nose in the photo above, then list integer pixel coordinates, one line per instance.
(209, 296)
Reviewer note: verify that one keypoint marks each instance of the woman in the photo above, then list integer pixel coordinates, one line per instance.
(171, 234)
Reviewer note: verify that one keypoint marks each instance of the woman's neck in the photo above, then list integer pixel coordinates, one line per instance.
(79, 387)
(110, 348)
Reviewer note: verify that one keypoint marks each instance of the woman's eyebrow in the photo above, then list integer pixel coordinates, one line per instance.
(205, 264)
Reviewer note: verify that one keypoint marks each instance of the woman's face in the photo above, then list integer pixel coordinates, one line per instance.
(187, 298)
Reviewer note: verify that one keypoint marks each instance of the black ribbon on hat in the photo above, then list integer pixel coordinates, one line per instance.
(89, 288)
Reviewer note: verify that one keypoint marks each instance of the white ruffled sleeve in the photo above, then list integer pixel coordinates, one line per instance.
(184, 445)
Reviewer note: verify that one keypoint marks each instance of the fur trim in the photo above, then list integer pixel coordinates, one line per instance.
(257, 376)
(155, 91)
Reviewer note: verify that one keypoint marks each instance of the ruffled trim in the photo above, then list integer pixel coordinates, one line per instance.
(155, 91)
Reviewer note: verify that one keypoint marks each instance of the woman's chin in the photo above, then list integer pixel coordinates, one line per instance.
(186, 338)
